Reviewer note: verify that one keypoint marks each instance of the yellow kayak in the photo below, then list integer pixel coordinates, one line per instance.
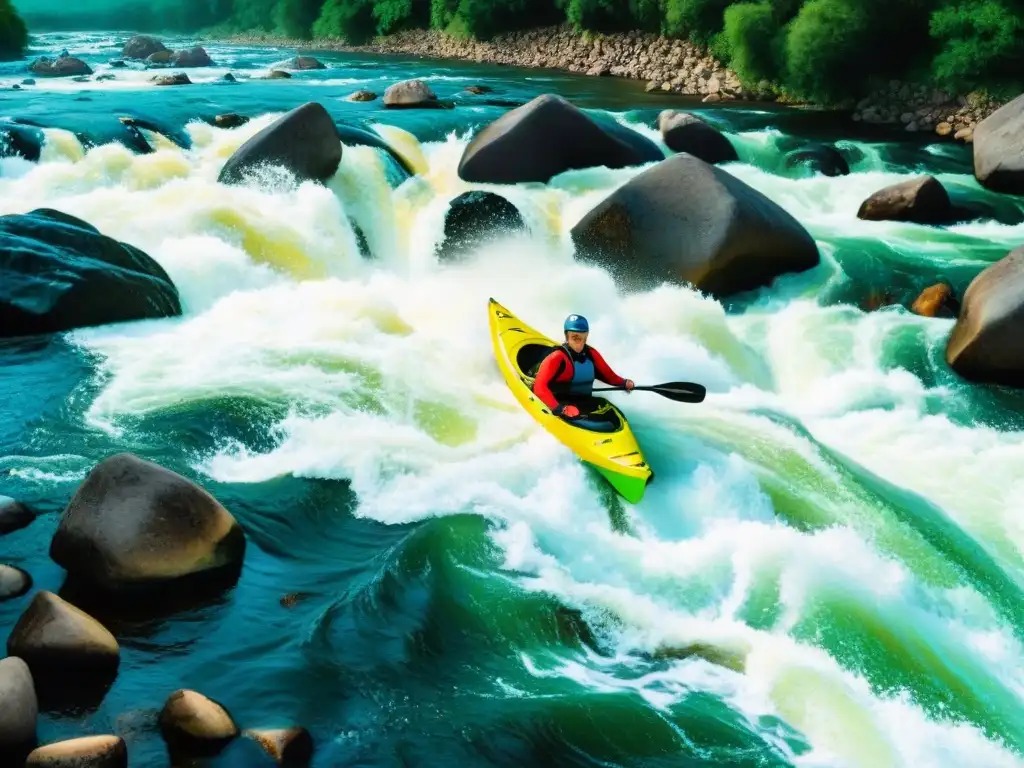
(519, 350)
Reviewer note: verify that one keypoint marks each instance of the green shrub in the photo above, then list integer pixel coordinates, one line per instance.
(13, 34)
(698, 20)
(982, 45)
(350, 20)
(751, 42)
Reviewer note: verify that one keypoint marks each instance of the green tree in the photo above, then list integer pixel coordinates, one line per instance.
(13, 33)
(982, 45)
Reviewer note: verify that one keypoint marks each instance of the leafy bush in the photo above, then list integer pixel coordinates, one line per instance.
(13, 34)
(698, 20)
(982, 44)
(751, 41)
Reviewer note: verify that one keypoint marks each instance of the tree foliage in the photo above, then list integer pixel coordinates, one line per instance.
(13, 34)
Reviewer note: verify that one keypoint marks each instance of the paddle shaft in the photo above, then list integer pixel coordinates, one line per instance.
(680, 391)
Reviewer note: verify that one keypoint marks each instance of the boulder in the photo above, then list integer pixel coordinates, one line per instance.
(999, 149)
(302, 63)
(59, 642)
(305, 141)
(687, 220)
(85, 752)
(229, 78)
(230, 120)
(14, 582)
(178, 78)
(62, 66)
(142, 47)
(985, 343)
(286, 746)
(820, 158)
(683, 132)
(478, 89)
(133, 524)
(160, 58)
(14, 515)
(922, 200)
(195, 726)
(276, 74)
(58, 272)
(118, 64)
(361, 96)
(936, 301)
(474, 218)
(191, 57)
(410, 94)
(19, 708)
(24, 141)
(549, 136)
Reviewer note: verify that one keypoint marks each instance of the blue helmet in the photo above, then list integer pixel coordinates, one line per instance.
(576, 323)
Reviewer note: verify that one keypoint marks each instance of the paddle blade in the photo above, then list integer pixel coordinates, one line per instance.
(680, 391)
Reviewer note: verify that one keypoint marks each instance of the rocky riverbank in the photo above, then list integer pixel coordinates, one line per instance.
(668, 65)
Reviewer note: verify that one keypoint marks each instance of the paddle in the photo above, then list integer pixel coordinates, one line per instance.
(680, 391)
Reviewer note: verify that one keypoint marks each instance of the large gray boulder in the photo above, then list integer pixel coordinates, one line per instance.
(999, 149)
(19, 708)
(549, 136)
(683, 132)
(985, 345)
(305, 141)
(191, 57)
(133, 524)
(410, 94)
(922, 200)
(475, 218)
(142, 47)
(62, 66)
(685, 220)
(58, 272)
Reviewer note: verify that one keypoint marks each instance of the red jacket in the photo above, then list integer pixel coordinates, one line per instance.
(558, 367)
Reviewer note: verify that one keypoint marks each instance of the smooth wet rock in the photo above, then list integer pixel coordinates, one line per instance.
(936, 301)
(178, 78)
(985, 344)
(684, 220)
(142, 47)
(25, 141)
(362, 96)
(277, 74)
(683, 132)
(160, 58)
(133, 525)
(19, 708)
(478, 89)
(287, 746)
(84, 752)
(549, 136)
(999, 149)
(58, 272)
(305, 141)
(62, 66)
(230, 120)
(229, 78)
(59, 642)
(820, 158)
(194, 725)
(302, 63)
(475, 218)
(191, 57)
(410, 94)
(14, 582)
(14, 515)
(922, 200)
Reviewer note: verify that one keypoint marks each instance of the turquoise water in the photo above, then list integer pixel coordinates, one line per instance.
(827, 571)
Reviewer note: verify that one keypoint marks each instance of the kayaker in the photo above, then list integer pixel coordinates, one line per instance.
(565, 379)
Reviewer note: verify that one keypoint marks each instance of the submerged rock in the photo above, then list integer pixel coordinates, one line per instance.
(410, 94)
(685, 220)
(362, 96)
(62, 66)
(24, 141)
(922, 200)
(999, 149)
(473, 219)
(133, 525)
(195, 726)
(936, 301)
(178, 78)
(549, 136)
(142, 47)
(58, 272)
(820, 158)
(276, 74)
(305, 141)
(14, 582)
(230, 120)
(85, 752)
(14, 515)
(683, 132)
(985, 345)
(286, 746)
(19, 708)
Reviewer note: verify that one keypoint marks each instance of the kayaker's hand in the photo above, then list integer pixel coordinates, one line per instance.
(629, 385)
(570, 411)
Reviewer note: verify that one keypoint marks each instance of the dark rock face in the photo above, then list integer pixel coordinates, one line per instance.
(58, 272)
(305, 141)
(473, 219)
(985, 345)
(685, 220)
(142, 47)
(230, 120)
(683, 132)
(24, 141)
(922, 200)
(62, 66)
(549, 136)
(133, 525)
(821, 159)
(14, 515)
(999, 149)
(191, 57)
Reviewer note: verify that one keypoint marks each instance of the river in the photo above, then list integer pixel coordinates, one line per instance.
(828, 569)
